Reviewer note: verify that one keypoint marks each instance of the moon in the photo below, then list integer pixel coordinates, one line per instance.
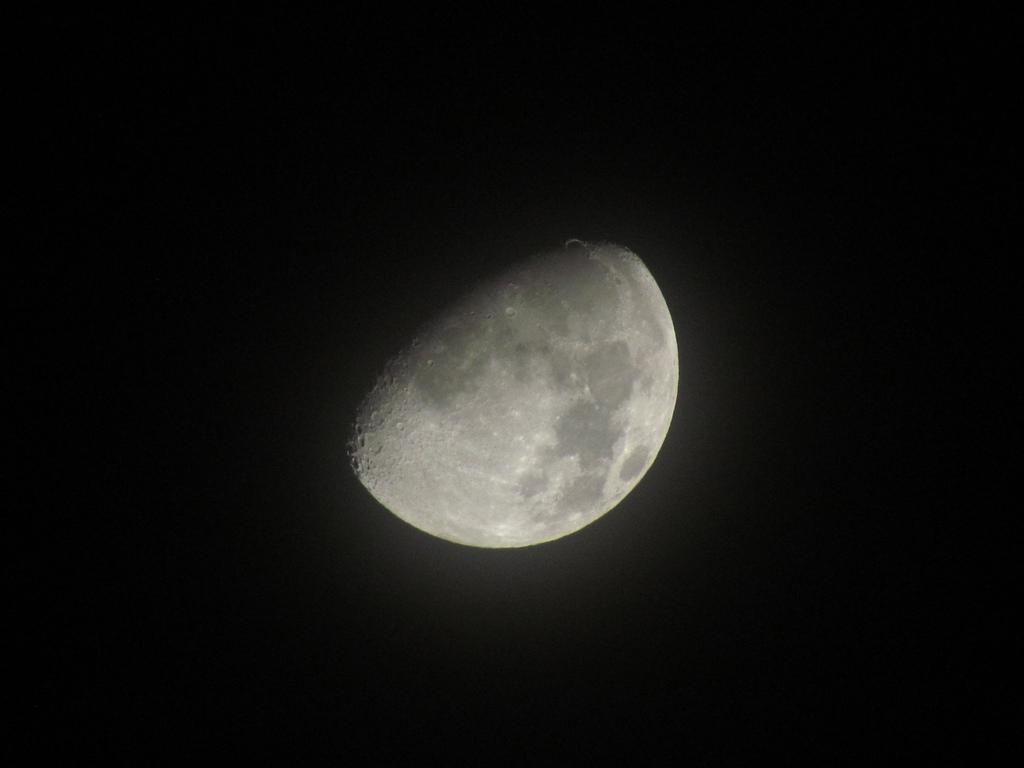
(529, 408)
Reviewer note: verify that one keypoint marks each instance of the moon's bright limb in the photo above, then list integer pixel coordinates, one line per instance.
(531, 407)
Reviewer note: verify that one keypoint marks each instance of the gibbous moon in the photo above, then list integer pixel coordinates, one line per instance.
(529, 408)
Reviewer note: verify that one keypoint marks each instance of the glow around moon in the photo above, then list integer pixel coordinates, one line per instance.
(528, 409)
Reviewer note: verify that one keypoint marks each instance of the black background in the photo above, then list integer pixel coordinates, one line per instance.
(244, 217)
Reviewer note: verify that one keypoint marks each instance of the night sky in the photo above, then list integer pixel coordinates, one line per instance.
(245, 217)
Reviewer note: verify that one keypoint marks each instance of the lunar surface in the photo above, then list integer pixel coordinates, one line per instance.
(529, 408)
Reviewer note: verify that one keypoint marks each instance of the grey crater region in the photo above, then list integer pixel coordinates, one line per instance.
(530, 407)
